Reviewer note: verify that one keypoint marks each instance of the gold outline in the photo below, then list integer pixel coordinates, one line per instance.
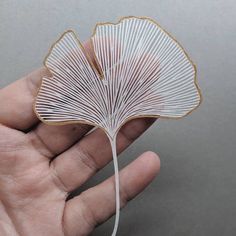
(100, 73)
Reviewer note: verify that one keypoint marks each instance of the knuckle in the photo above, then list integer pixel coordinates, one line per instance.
(87, 158)
(87, 212)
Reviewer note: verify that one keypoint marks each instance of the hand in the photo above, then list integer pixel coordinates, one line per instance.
(40, 165)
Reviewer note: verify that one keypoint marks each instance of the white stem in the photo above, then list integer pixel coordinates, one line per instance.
(117, 184)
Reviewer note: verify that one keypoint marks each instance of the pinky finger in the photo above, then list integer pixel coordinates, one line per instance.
(97, 204)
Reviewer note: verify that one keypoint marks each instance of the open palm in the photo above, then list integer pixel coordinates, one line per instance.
(40, 165)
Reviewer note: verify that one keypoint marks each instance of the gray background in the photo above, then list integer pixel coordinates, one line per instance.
(195, 193)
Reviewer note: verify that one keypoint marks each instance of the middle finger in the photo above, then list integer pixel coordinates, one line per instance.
(75, 166)
(53, 140)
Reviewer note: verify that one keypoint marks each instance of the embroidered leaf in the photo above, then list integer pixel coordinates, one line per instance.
(140, 71)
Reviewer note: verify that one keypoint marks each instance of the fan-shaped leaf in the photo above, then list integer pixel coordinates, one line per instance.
(140, 71)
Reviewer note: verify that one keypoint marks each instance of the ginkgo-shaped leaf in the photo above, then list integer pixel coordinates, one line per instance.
(140, 71)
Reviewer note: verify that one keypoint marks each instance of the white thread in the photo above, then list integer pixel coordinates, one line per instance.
(145, 73)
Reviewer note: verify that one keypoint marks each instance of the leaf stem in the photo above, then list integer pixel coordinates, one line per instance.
(117, 183)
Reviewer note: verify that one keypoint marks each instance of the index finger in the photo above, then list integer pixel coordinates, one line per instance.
(16, 101)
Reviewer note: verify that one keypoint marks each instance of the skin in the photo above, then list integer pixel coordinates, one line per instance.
(41, 165)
